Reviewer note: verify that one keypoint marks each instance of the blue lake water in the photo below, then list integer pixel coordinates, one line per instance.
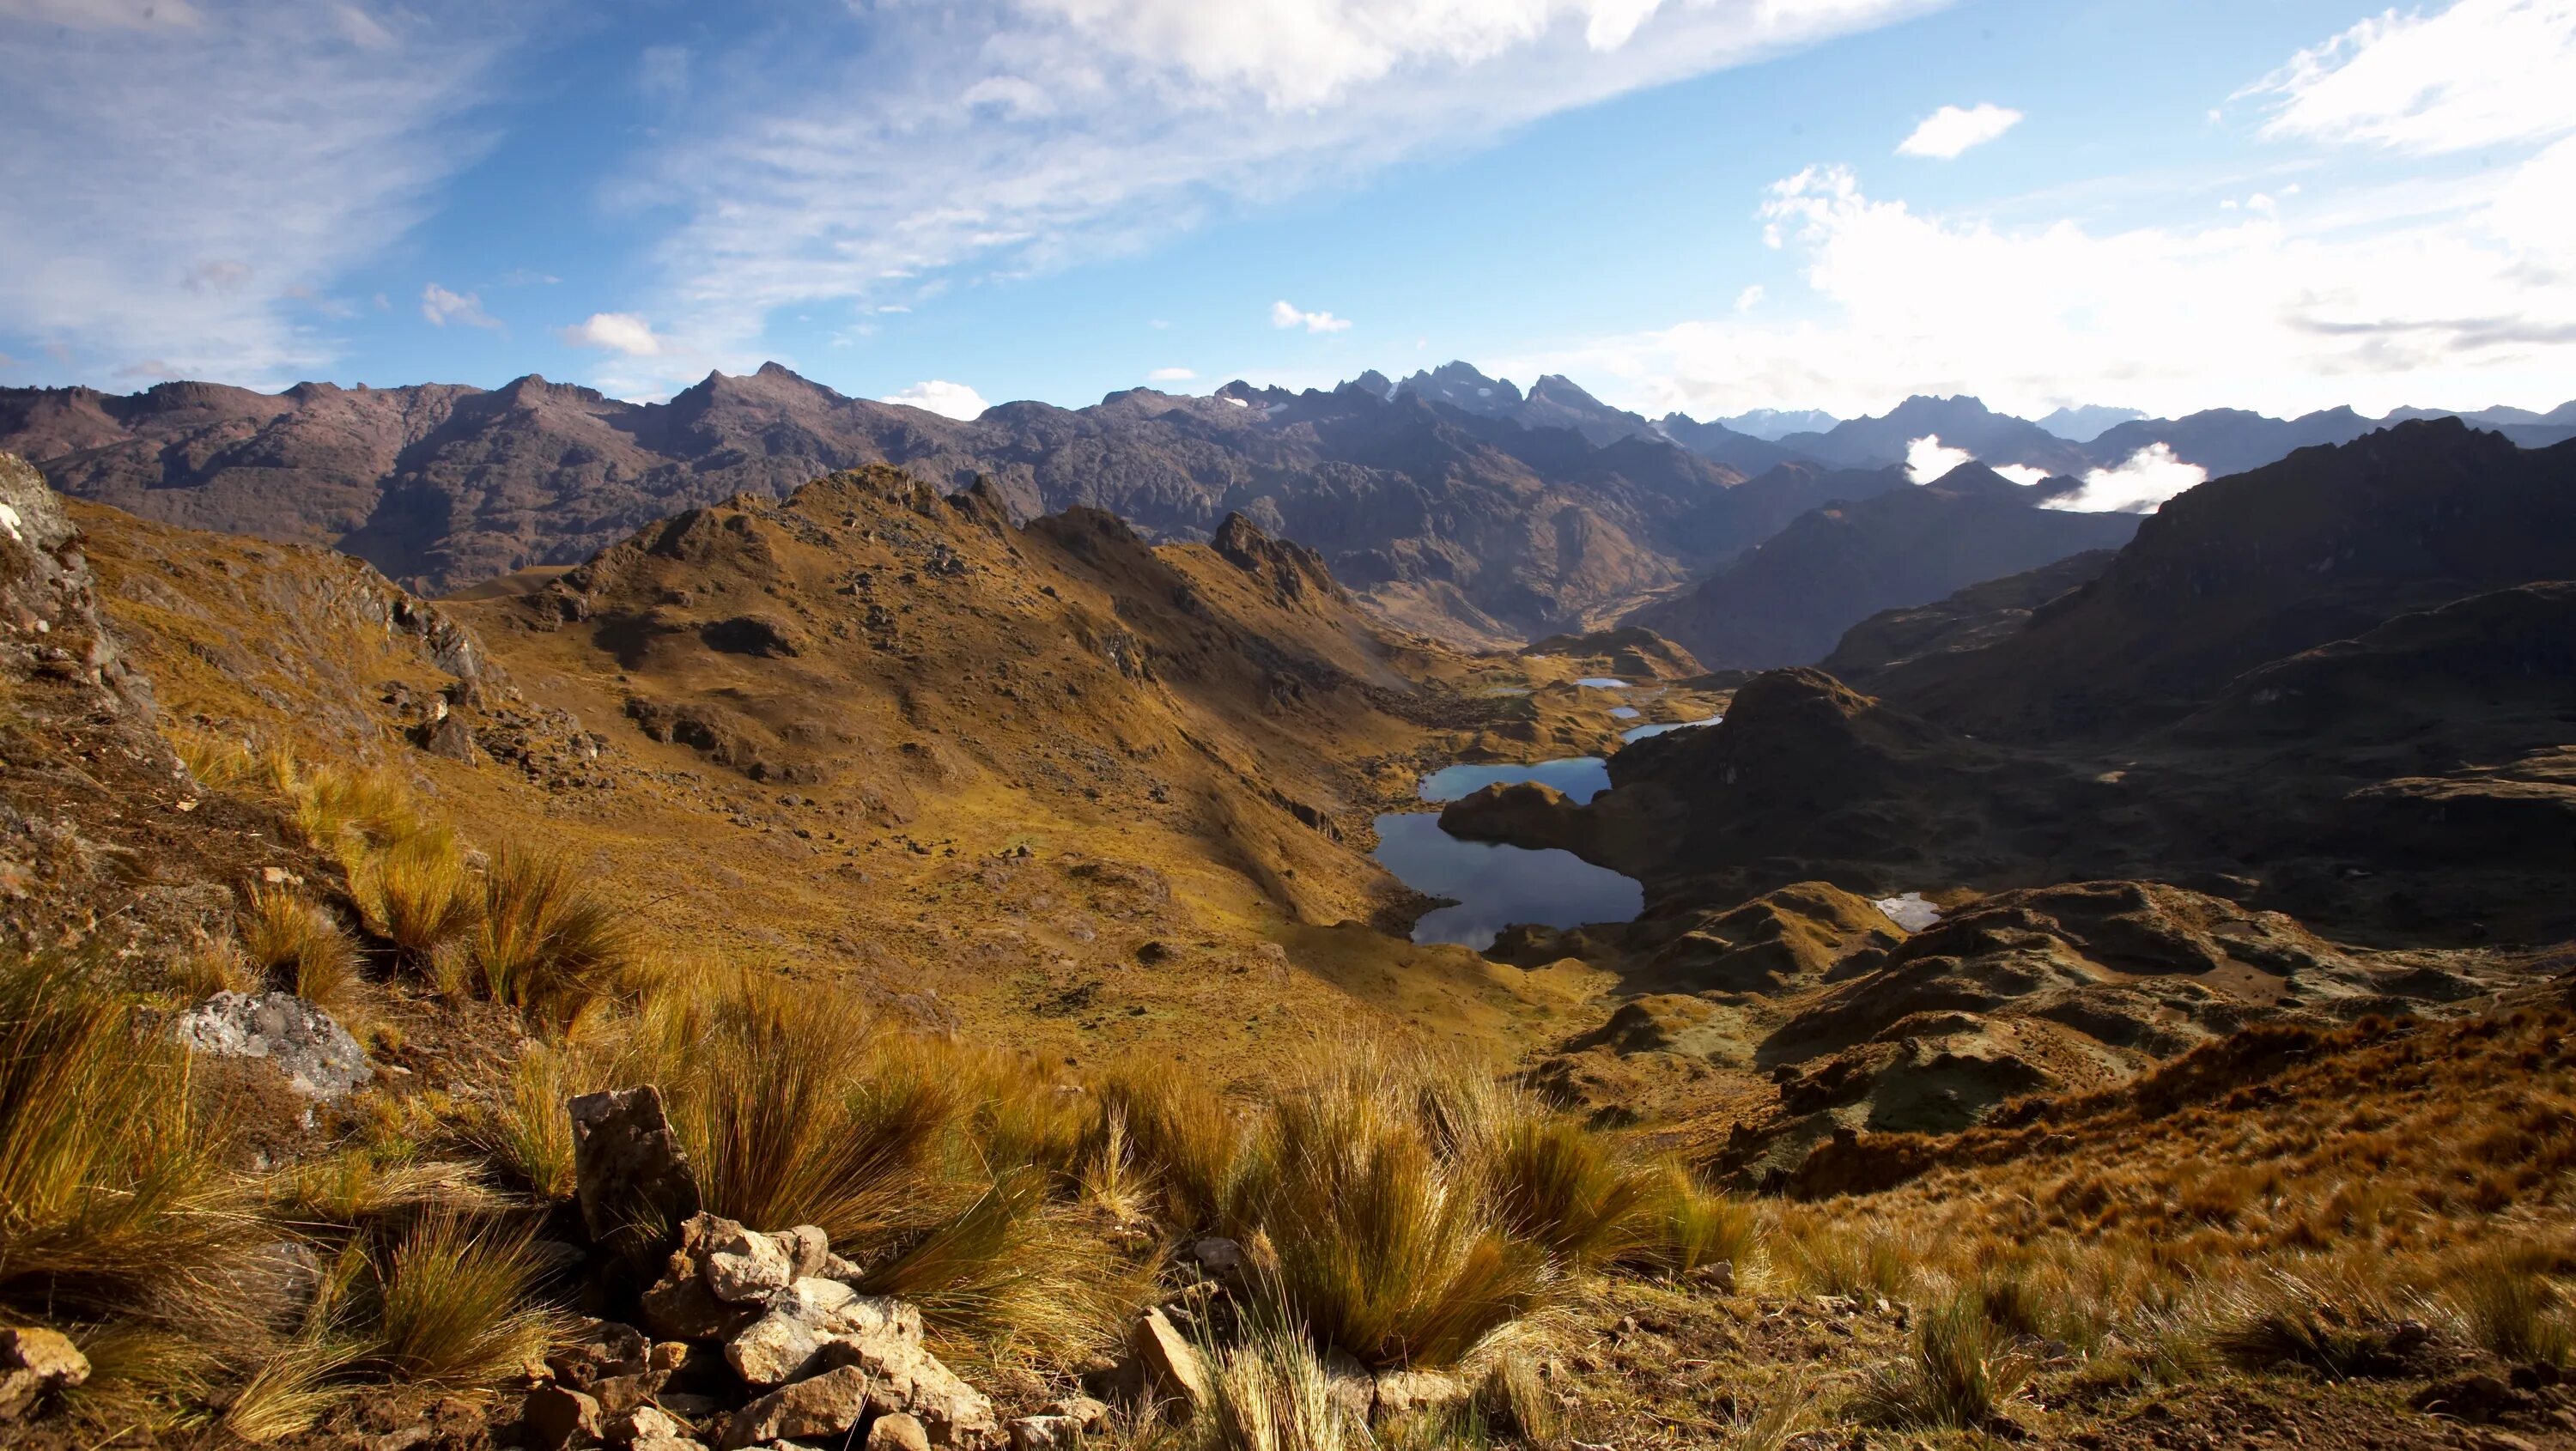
(1579, 777)
(1496, 886)
(1603, 682)
(1624, 712)
(1639, 733)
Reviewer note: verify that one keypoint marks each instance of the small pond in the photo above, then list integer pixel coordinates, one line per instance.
(1495, 885)
(1580, 777)
(1603, 682)
(1639, 733)
(1625, 712)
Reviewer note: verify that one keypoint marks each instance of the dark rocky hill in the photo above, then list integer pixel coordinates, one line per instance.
(1788, 601)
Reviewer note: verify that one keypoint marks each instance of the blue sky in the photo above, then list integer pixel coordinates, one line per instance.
(1708, 205)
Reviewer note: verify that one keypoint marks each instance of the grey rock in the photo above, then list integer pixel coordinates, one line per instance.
(628, 1166)
(812, 1314)
(319, 1058)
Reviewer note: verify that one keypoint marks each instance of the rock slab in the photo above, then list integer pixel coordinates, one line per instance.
(319, 1058)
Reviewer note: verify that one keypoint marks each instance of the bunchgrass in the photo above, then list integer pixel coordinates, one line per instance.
(1378, 1244)
(549, 944)
(419, 895)
(113, 1193)
(298, 941)
(1958, 1374)
(451, 1303)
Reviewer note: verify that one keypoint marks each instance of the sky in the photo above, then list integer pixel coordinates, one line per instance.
(1707, 206)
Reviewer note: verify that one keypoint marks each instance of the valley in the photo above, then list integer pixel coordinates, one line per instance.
(1100, 812)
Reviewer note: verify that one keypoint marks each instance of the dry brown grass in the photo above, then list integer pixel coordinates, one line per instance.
(1377, 1243)
(419, 894)
(290, 936)
(550, 944)
(114, 1197)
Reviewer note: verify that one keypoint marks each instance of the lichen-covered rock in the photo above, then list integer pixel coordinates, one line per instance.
(319, 1058)
(34, 1363)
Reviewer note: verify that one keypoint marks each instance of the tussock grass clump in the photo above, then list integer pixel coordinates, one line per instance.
(1184, 1135)
(529, 1134)
(1825, 1256)
(451, 1304)
(288, 935)
(1513, 1401)
(1958, 1375)
(1268, 1392)
(1590, 1203)
(340, 807)
(2340, 1322)
(419, 895)
(113, 1193)
(1377, 1243)
(2510, 1307)
(549, 945)
(796, 1110)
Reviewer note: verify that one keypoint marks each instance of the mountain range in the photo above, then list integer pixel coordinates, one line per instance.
(1449, 502)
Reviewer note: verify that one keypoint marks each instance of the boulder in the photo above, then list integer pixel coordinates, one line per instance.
(34, 1363)
(319, 1058)
(1045, 1433)
(598, 1351)
(1349, 1387)
(646, 1426)
(1172, 1372)
(829, 1405)
(904, 1377)
(896, 1431)
(1402, 1394)
(682, 1305)
(808, 1316)
(628, 1166)
(744, 1267)
(559, 1418)
(1217, 1256)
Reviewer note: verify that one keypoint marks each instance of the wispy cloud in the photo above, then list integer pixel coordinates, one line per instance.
(442, 307)
(313, 133)
(1286, 315)
(2476, 74)
(2462, 294)
(1953, 129)
(1171, 375)
(995, 138)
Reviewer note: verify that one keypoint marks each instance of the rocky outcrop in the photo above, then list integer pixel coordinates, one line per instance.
(320, 1059)
(628, 1165)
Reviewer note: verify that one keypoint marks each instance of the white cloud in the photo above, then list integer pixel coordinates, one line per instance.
(615, 332)
(1284, 315)
(2479, 73)
(1947, 132)
(951, 400)
(1749, 299)
(2374, 297)
(1170, 375)
(442, 307)
(305, 154)
(2137, 484)
(1001, 138)
(1927, 458)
